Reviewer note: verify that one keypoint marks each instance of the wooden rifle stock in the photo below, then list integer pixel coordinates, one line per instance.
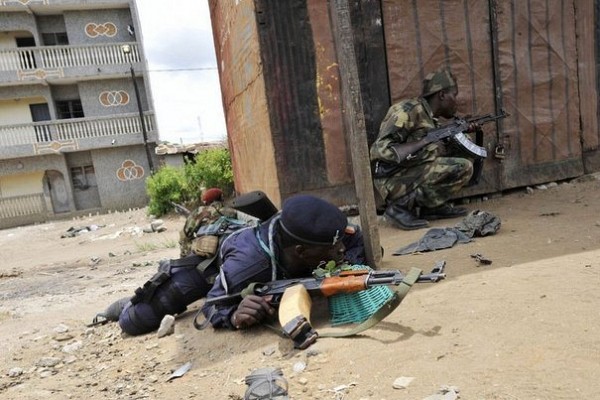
(343, 284)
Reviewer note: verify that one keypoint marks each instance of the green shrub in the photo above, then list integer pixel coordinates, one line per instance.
(210, 168)
(166, 185)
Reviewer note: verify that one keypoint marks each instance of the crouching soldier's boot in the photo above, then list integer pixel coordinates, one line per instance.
(399, 214)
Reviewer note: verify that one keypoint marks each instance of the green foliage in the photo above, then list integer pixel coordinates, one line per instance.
(166, 185)
(210, 168)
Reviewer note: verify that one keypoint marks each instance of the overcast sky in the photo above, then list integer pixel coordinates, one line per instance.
(183, 72)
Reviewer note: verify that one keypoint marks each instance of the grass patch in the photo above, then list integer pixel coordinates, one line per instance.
(150, 246)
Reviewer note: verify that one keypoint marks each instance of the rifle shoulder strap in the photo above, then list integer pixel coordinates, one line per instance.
(399, 293)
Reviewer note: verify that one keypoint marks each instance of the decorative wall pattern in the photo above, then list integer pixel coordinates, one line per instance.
(23, 2)
(40, 74)
(55, 147)
(112, 98)
(106, 29)
(130, 171)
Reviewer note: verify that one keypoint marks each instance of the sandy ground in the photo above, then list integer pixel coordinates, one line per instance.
(525, 327)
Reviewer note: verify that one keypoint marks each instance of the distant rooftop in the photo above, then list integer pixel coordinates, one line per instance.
(176, 148)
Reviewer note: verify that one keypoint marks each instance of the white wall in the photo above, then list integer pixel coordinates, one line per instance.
(22, 184)
(17, 111)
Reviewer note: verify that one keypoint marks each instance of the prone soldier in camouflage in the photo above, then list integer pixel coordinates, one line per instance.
(420, 189)
(212, 209)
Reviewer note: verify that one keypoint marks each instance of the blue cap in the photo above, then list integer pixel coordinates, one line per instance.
(311, 220)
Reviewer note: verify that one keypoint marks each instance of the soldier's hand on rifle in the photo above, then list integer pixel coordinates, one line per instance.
(252, 310)
(473, 127)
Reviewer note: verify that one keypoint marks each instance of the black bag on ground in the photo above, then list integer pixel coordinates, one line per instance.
(176, 284)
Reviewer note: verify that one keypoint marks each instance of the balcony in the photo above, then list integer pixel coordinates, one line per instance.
(23, 140)
(19, 206)
(56, 62)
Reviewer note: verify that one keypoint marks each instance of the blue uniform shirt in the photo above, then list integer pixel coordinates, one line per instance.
(245, 261)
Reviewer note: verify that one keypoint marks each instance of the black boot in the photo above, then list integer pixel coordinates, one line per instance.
(402, 218)
(442, 212)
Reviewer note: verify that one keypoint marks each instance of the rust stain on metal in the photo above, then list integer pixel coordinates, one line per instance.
(244, 97)
(328, 95)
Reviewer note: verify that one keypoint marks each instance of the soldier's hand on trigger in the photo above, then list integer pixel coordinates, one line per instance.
(252, 310)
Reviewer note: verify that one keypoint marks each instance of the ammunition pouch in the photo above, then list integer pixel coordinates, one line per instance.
(205, 246)
(208, 237)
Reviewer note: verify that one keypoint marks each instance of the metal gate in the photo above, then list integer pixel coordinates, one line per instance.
(520, 56)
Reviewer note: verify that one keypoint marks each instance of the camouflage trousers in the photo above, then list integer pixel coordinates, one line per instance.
(185, 244)
(426, 185)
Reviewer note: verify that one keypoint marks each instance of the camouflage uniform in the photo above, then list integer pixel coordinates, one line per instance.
(202, 216)
(429, 179)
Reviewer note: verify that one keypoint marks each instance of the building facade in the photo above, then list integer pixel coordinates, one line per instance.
(77, 128)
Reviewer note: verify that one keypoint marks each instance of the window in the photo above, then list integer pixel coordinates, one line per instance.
(83, 177)
(41, 112)
(26, 57)
(69, 109)
(55, 39)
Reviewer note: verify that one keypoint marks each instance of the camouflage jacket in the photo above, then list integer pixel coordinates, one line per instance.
(406, 121)
(204, 215)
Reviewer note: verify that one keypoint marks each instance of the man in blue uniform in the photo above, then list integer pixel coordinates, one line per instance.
(306, 233)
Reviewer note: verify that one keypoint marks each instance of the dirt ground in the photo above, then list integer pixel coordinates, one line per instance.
(525, 327)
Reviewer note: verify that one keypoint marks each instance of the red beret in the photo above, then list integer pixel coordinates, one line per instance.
(212, 194)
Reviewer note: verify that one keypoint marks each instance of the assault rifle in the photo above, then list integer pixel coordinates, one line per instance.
(179, 209)
(454, 130)
(345, 281)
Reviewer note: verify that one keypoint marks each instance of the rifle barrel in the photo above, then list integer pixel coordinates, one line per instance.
(483, 119)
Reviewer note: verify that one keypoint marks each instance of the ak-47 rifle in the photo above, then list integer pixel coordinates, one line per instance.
(294, 300)
(454, 130)
(345, 281)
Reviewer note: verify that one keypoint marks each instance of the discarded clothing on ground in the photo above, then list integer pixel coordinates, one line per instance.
(76, 231)
(476, 223)
(479, 223)
(435, 239)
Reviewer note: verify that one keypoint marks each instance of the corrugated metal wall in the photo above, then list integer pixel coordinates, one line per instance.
(522, 58)
(423, 35)
(244, 98)
(538, 67)
(281, 89)
(279, 78)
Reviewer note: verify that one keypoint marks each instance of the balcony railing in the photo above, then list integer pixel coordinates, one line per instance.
(48, 57)
(19, 206)
(76, 128)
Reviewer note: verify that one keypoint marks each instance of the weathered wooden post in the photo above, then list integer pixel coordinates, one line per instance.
(356, 135)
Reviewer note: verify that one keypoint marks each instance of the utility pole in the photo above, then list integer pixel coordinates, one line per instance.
(127, 50)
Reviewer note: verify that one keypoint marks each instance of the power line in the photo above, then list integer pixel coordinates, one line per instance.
(183, 69)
